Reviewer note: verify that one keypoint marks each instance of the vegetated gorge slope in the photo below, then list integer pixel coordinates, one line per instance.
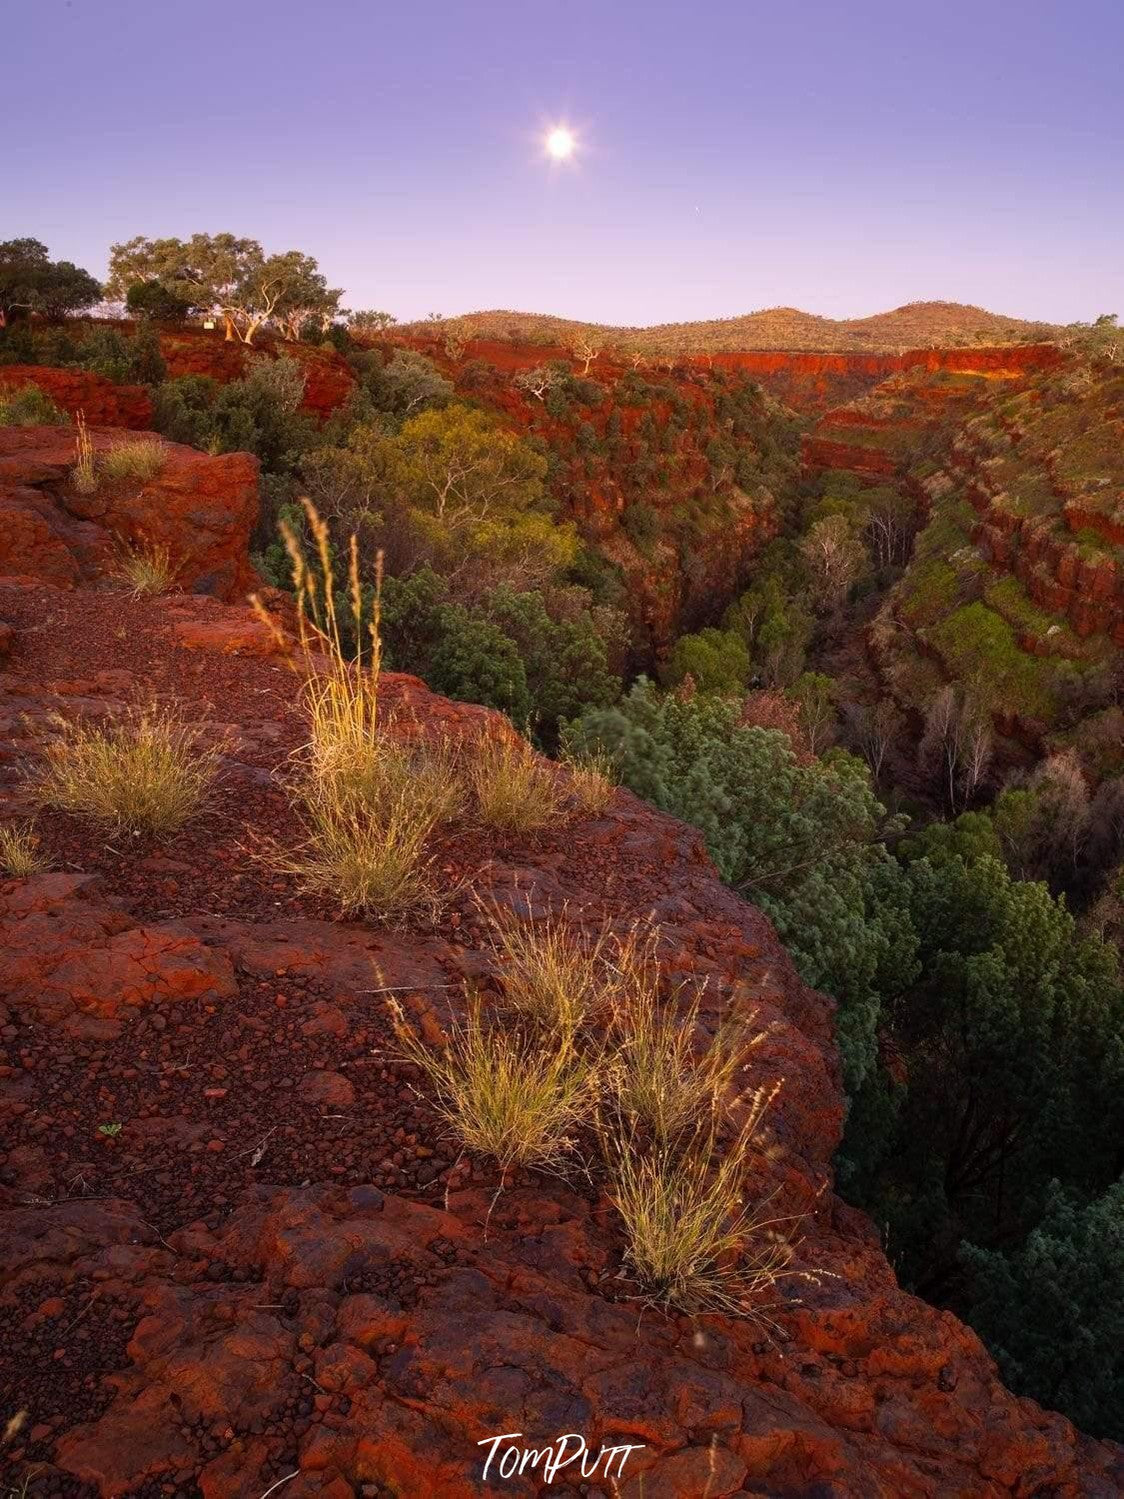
(674, 468)
(1015, 586)
(236, 1245)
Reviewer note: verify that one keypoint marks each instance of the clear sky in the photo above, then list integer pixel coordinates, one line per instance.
(839, 157)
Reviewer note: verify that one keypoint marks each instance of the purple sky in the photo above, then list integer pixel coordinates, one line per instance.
(842, 158)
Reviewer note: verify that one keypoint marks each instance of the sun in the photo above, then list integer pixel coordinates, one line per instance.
(560, 143)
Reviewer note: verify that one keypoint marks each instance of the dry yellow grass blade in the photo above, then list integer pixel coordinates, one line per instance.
(136, 458)
(554, 975)
(693, 1241)
(83, 475)
(146, 569)
(366, 862)
(592, 780)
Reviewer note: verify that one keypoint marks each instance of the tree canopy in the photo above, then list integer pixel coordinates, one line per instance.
(227, 276)
(30, 281)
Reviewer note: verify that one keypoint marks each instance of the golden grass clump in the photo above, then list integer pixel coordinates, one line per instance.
(144, 771)
(504, 1093)
(592, 780)
(83, 474)
(554, 977)
(526, 1083)
(363, 860)
(19, 852)
(366, 800)
(146, 569)
(135, 458)
(661, 1084)
(420, 774)
(515, 791)
(692, 1241)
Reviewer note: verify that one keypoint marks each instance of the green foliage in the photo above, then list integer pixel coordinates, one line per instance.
(260, 413)
(1013, 1039)
(228, 276)
(641, 525)
(28, 406)
(978, 645)
(155, 300)
(803, 840)
(403, 385)
(715, 660)
(776, 628)
(31, 282)
(814, 695)
(1052, 1311)
(507, 651)
(565, 659)
(135, 360)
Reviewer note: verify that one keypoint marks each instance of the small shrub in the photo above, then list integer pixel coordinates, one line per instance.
(28, 406)
(515, 790)
(19, 853)
(142, 458)
(504, 1094)
(145, 569)
(145, 771)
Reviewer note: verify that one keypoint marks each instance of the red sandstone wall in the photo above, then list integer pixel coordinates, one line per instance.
(103, 403)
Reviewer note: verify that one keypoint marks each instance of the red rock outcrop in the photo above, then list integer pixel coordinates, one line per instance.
(277, 1270)
(74, 390)
(328, 380)
(201, 508)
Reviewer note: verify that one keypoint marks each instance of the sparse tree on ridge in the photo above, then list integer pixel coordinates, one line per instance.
(834, 557)
(536, 382)
(368, 320)
(230, 277)
(586, 346)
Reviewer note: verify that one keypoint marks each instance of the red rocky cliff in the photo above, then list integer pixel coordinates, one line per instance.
(200, 508)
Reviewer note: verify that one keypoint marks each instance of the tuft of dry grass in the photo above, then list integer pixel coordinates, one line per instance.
(341, 689)
(146, 569)
(366, 860)
(514, 789)
(661, 1084)
(692, 1240)
(19, 852)
(554, 977)
(503, 1093)
(592, 780)
(83, 475)
(422, 774)
(144, 771)
(366, 801)
(135, 458)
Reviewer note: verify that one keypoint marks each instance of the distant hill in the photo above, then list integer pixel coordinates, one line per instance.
(918, 325)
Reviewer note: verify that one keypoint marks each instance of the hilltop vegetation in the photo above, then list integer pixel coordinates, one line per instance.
(918, 325)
